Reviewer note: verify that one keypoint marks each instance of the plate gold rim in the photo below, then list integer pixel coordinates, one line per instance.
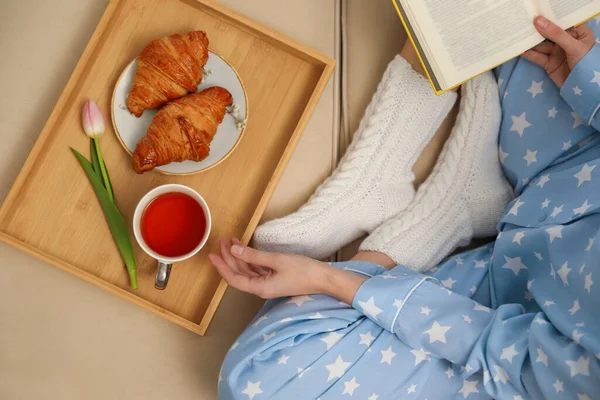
(118, 134)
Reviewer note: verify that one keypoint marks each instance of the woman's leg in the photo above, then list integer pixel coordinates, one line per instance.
(464, 197)
(374, 180)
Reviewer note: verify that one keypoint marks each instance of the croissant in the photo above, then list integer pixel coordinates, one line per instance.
(182, 130)
(168, 68)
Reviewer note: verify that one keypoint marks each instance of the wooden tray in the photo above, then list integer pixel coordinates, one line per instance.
(51, 210)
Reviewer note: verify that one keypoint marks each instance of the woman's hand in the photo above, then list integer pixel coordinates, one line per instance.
(562, 51)
(272, 275)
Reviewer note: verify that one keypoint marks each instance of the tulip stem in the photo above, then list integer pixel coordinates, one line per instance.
(107, 184)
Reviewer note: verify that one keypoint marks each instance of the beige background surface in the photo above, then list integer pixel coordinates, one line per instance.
(62, 338)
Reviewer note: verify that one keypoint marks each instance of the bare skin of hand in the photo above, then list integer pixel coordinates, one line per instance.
(273, 275)
(562, 51)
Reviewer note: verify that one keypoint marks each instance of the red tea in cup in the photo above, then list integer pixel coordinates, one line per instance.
(173, 224)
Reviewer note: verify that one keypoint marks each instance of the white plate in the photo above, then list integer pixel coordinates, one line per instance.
(130, 130)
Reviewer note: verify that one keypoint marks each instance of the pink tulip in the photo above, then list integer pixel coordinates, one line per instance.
(92, 119)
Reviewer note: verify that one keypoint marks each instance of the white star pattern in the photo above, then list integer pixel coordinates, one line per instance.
(235, 345)
(366, 339)
(530, 157)
(548, 303)
(252, 389)
(283, 320)
(283, 359)
(515, 208)
(563, 273)
(299, 300)
(528, 296)
(480, 263)
(552, 112)
(387, 276)
(596, 78)
(583, 396)
(514, 264)
(538, 256)
(486, 376)
(517, 238)
(448, 283)
(449, 372)
(582, 209)
(501, 375)
(566, 145)
(350, 386)
(370, 309)
(581, 269)
(268, 337)
(590, 244)
(302, 371)
(536, 88)
(520, 123)
(508, 353)
(437, 332)
(412, 389)
(261, 319)
(479, 307)
(552, 271)
(543, 180)
(473, 289)
(398, 303)
(577, 91)
(338, 368)
(545, 203)
(387, 355)
(576, 307)
(420, 356)
(588, 283)
(373, 397)
(331, 339)
(468, 388)
(459, 260)
(556, 211)
(579, 367)
(467, 319)
(517, 397)
(577, 120)
(502, 155)
(577, 336)
(558, 386)
(555, 232)
(541, 357)
(425, 310)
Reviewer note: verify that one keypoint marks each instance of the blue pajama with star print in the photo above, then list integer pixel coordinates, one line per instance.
(515, 319)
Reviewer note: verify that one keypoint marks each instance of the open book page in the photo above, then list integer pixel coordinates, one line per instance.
(464, 38)
(567, 13)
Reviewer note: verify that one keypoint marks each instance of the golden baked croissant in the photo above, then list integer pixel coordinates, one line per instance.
(168, 68)
(182, 130)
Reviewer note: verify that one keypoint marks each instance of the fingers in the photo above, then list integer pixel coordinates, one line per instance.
(238, 281)
(235, 264)
(256, 268)
(536, 57)
(553, 32)
(257, 257)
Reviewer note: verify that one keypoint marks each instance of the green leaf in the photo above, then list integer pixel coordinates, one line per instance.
(98, 169)
(116, 222)
(95, 161)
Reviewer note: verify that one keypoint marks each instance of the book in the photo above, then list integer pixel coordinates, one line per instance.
(457, 40)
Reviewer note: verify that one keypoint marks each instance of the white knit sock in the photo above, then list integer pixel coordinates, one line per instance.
(464, 197)
(374, 179)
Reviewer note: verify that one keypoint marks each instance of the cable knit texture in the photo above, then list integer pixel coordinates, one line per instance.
(464, 197)
(374, 179)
